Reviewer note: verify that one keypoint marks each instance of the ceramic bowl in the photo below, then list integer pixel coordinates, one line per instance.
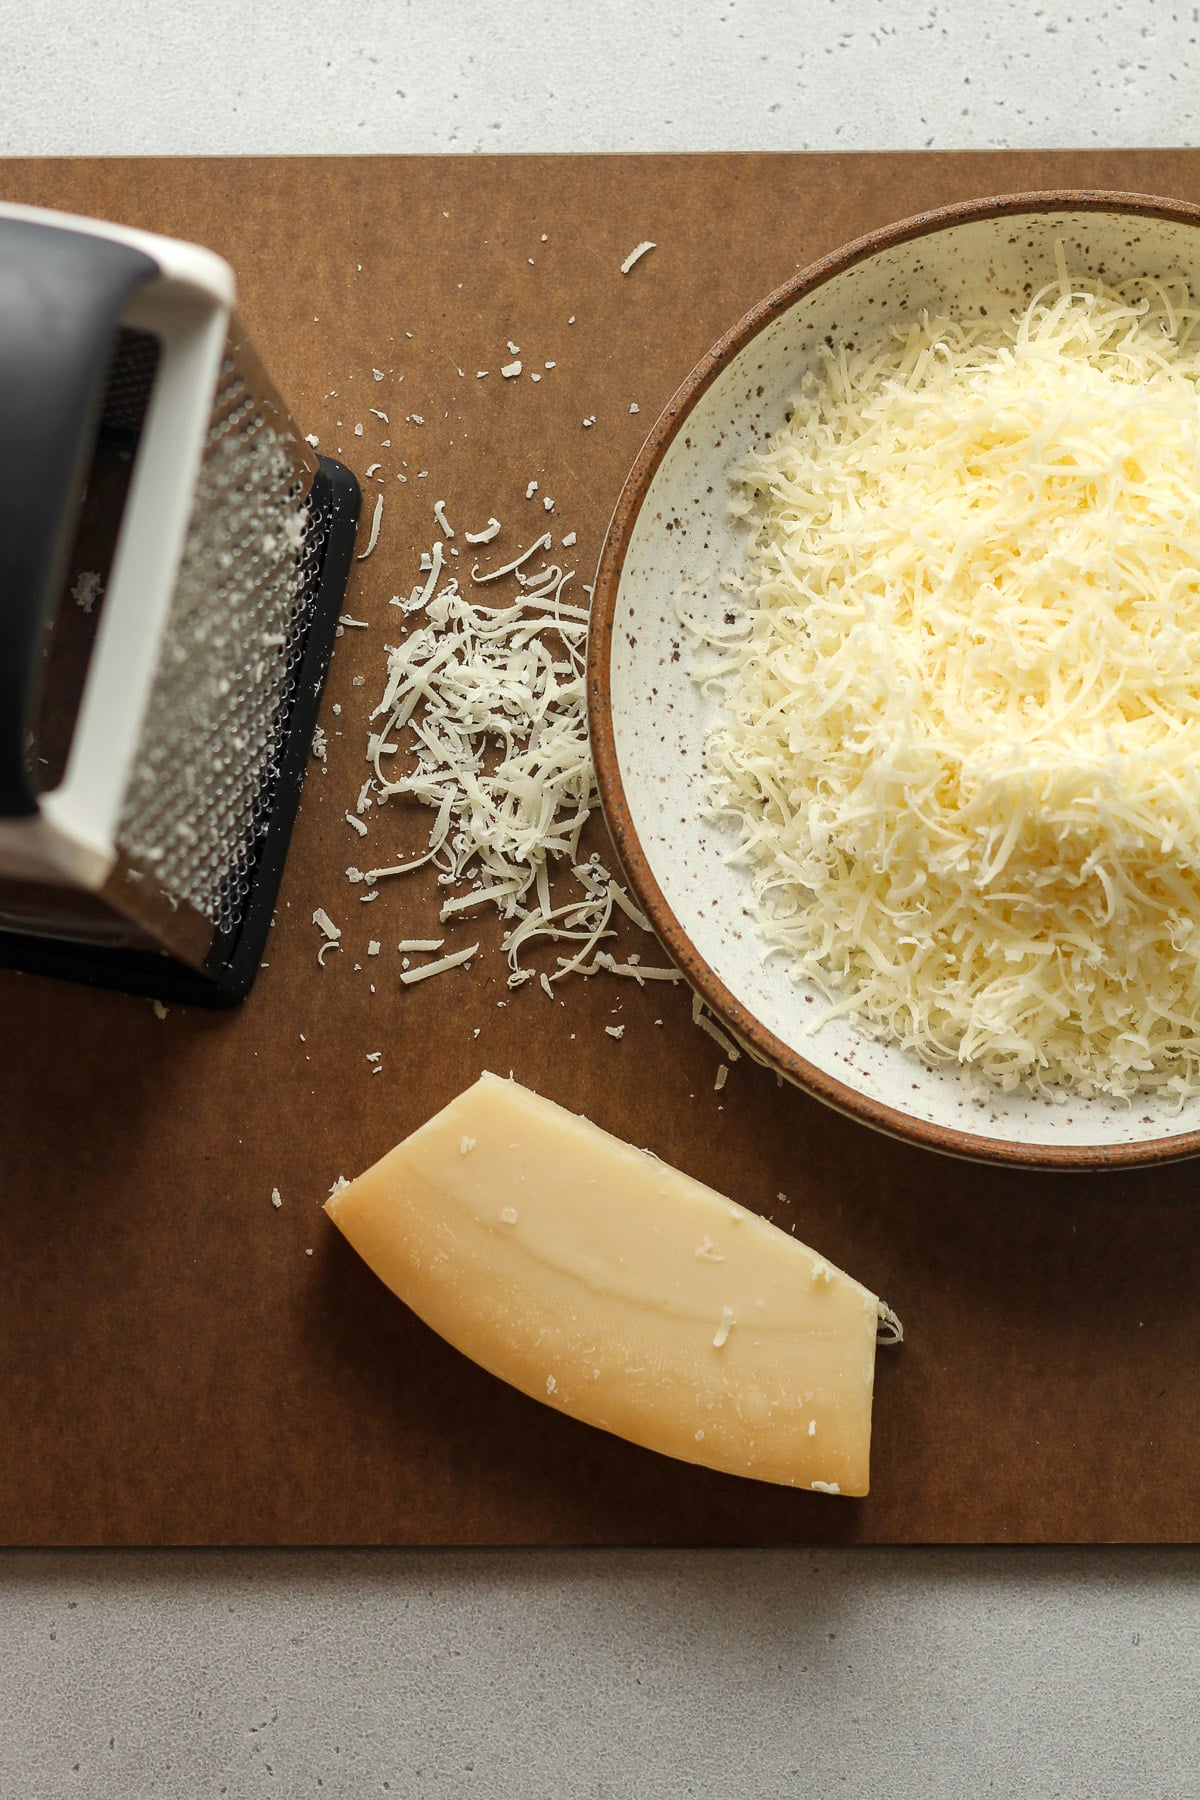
(671, 529)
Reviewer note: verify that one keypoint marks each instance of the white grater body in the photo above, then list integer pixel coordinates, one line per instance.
(148, 824)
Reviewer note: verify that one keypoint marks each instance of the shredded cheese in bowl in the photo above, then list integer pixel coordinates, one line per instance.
(960, 672)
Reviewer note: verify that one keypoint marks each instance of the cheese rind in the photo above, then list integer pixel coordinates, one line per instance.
(610, 1286)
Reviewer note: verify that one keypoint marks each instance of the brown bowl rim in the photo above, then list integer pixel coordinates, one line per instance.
(761, 1043)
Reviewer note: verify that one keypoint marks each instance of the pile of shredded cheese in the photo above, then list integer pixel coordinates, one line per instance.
(960, 738)
(485, 722)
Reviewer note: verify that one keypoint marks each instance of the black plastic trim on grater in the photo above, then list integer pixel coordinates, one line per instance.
(61, 295)
(234, 962)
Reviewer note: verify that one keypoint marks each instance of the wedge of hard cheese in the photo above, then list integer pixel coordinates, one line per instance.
(605, 1283)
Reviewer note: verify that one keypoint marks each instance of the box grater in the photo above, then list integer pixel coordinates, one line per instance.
(173, 558)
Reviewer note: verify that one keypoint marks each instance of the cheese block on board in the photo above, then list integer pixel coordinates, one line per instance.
(607, 1284)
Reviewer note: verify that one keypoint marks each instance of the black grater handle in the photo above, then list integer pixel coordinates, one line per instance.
(62, 293)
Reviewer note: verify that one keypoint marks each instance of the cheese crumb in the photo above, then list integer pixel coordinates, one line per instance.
(453, 961)
(709, 1026)
(510, 370)
(636, 254)
(376, 516)
(721, 1335)
(276, 1197)
(87, 590)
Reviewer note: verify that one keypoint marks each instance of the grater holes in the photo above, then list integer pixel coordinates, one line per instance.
(130, 381)
(200, 794)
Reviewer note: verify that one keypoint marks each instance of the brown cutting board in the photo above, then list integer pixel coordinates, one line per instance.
(181, 1362)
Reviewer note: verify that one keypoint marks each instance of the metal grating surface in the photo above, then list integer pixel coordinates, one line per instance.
(130, 380)
(200, 792)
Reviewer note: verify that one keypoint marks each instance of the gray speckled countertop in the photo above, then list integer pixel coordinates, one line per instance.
(514, 1676)
(551, 1676)
(462, 75)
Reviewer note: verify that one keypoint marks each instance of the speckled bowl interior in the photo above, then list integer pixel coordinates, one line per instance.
(671, 532)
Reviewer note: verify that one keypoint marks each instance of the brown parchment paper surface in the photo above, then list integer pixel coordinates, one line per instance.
(181, 1362)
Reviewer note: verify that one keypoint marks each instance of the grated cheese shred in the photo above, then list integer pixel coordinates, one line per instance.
(636, 255)
(376, 518)
(960, 676)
